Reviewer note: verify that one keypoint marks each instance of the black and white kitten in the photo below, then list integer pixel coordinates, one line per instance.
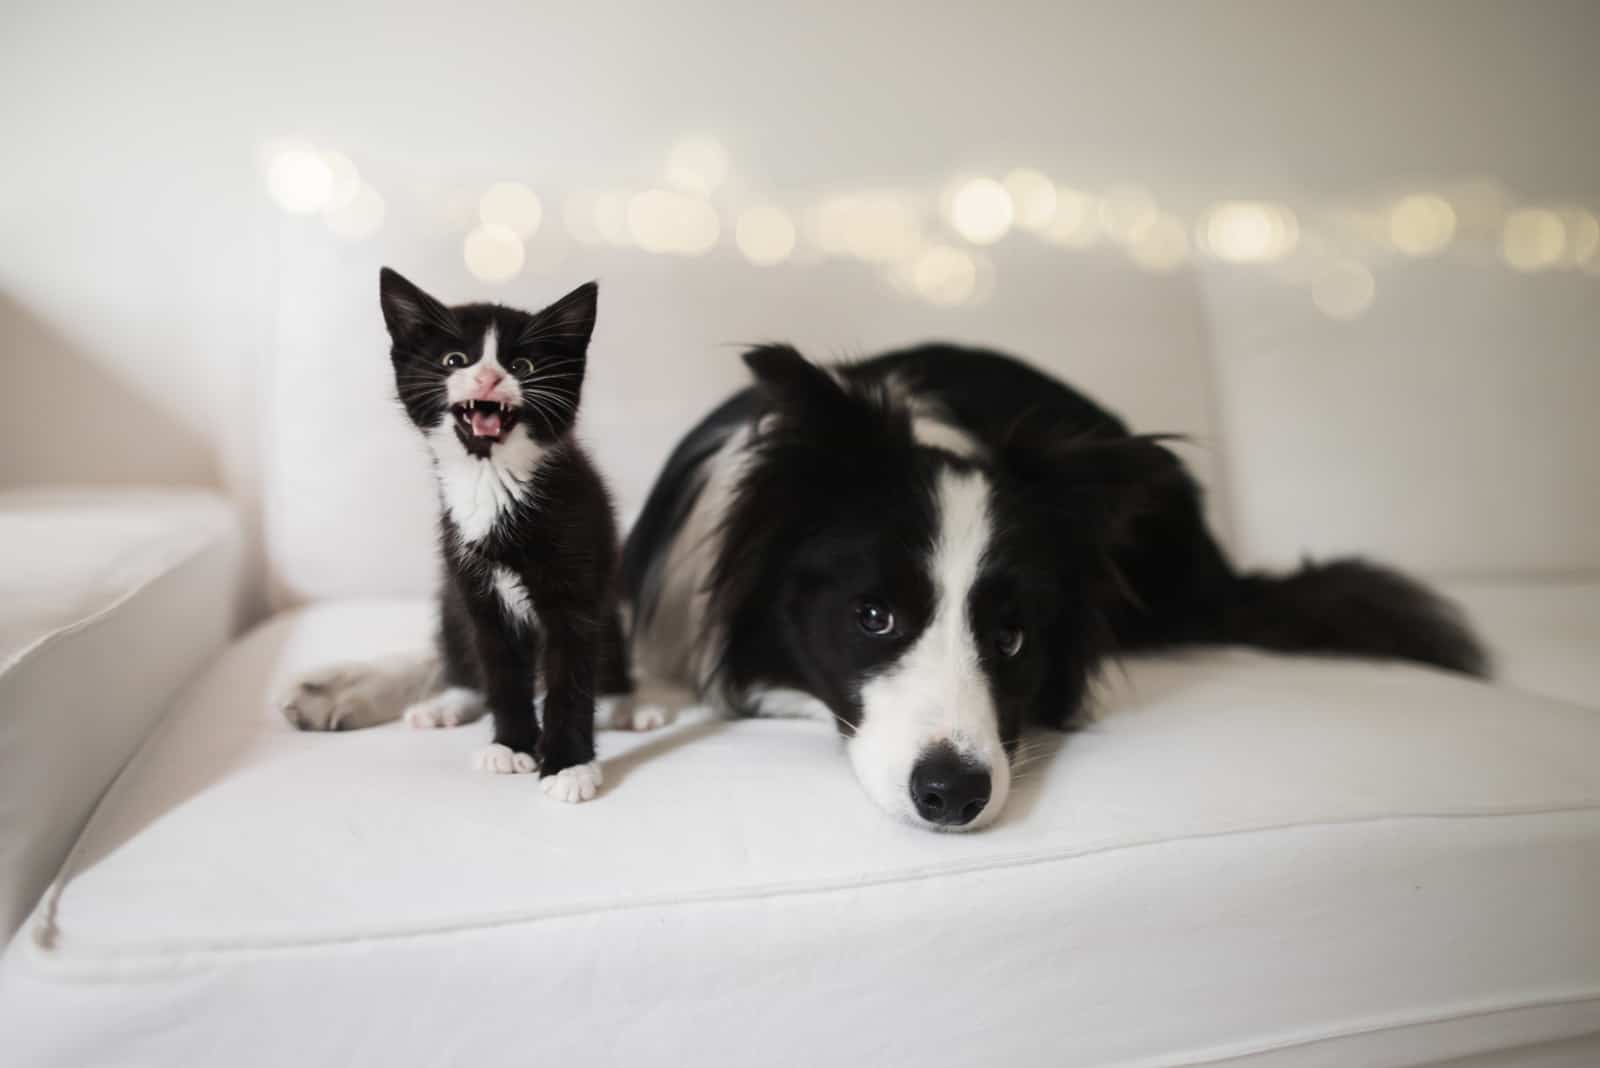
(526, 532)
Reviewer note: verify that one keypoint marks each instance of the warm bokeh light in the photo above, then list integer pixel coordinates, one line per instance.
(1533, 239)
(1033, 198)
(513, 206)
(360, 217)
(1076, 223)
(765, 234)
(611, 217)
(1240, 231)
(1421, 224)
(882, 227)
(493, 253)
(1343, 290)
(697, 165)
(1583, 237)
(345, 180)
(981, 211)
(300, 180)
(1159, 244)
(661, 220)
(945, 275)
(1126, 210)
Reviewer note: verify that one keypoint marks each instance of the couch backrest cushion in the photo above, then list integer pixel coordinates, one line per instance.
(349, 502)
(1450, 428)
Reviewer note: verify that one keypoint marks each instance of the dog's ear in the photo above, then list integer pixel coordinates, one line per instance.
(408, 312)
(1094, 487)
(815, 405)
(789, 380)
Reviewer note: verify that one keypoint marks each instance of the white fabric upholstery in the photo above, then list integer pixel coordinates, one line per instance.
(1315, 862)
(109, 601)
(1449, 430)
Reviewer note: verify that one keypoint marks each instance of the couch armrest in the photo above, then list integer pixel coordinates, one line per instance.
(109, 601)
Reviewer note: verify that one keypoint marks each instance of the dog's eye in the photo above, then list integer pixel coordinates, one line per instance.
(874, 617)
(522, 366)
(1008, 640)
(454, 359)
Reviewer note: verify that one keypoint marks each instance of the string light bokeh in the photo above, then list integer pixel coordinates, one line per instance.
(934, 243)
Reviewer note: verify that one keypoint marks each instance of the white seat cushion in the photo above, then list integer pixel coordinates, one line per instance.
(110, 599)
(1312, 861)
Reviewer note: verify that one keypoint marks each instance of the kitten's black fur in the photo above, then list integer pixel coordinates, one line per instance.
(553, 531)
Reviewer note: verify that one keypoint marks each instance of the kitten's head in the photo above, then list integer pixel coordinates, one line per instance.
(486, 373)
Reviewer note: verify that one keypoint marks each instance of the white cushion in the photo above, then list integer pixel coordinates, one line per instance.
(1449, 430)
(109, 601)
(1544, 636)
(1316, 862)
(349, 503)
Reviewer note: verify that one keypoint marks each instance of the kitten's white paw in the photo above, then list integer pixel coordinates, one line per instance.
(451, 708)
(626, 713)
(498, 759)
(335, 697)
(572, 785)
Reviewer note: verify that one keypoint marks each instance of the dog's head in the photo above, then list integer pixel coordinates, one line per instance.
(934, 597)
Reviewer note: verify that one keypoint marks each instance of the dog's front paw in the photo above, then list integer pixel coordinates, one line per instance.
(628, 713)
(500, 759)
(333, 698)
(451, 708)
(572, 785)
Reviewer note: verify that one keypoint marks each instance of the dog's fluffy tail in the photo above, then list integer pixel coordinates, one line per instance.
(1352, 607)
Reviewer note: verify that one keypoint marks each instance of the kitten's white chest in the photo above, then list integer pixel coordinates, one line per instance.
(479, 493)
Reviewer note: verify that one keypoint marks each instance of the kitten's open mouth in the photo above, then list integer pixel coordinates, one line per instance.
(485, 420)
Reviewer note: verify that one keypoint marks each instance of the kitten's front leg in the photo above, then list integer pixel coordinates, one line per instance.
(506, 656)
(566, 754)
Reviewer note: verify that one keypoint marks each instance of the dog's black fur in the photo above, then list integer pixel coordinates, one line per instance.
(559, 541)
(1100, 541)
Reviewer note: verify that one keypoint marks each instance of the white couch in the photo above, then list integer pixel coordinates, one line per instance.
(1246, 860)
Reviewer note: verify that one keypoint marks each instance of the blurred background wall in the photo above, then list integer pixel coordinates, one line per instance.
(190, 189)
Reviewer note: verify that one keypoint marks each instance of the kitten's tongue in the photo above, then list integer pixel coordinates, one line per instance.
(484, 424)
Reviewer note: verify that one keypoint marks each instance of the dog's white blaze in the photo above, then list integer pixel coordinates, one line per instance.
(513, 595)
(938, 434)
(937, 690)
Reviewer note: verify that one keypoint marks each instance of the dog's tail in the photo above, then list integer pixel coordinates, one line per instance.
(1352, 607)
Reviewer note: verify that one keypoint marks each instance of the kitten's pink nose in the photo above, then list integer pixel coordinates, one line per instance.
(484, 381)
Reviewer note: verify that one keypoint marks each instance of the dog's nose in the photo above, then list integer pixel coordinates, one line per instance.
(948, 789)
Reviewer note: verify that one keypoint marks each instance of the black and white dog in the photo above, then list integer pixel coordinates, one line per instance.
(939, 545)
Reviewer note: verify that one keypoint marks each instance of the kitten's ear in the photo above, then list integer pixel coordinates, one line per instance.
(569, 322)
(407, 310)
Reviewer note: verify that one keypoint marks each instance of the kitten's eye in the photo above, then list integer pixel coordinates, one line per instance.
(874, 617)
(522, 366)
(1008, 640)
(454, 359)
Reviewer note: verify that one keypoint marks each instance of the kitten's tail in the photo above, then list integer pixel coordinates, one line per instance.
(364, 693)
(1354, 607)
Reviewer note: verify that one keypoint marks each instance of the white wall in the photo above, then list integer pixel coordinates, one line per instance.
(139, 254)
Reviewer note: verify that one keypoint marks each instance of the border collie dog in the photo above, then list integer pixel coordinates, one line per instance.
(939, 545)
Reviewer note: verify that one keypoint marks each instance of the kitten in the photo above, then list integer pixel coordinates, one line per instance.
(526, 531)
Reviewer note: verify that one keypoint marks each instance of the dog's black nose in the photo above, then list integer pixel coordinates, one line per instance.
(947, 789)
